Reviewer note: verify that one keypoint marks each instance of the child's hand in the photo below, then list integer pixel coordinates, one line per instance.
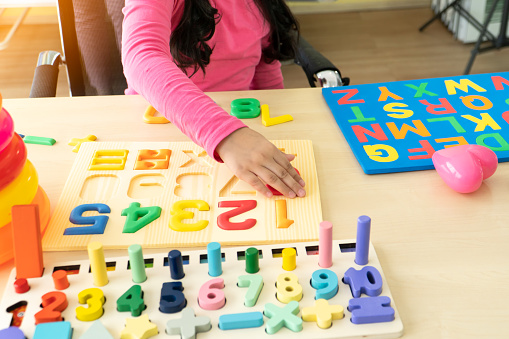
(251, 157)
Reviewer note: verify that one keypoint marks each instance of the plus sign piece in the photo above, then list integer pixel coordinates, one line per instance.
(322, 313)
(188, 325)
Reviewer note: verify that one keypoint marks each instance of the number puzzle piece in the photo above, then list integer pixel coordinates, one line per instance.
(96, 331)
(138, 217)
(245, 108)
(94, 298)
(326, 284)
(77, 142)
(282, 220)
(254, 282)
(367, 280)
(53, 304)
(210, 296)
(188, 325)
(149, 159)
(53, 330)
(371, 310)
(132, 301)
(139, 328)
(322, 313)
(111, 159)
(279, 317)
(240, 320)
(149, 118)
(178, 214)
(11, 333)
(98, 221)
(268, 121)
(242, 206)
(172, 299)
(288, 288)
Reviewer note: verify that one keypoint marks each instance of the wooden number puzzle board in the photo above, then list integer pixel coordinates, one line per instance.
(397, 126)
(190, 175)
(196, 274)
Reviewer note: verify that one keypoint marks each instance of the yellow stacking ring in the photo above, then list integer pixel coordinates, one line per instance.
(20, 191)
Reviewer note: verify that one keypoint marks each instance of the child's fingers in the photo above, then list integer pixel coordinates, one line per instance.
(292, 171)
(253, 180)
(284, 162)
(277, 177)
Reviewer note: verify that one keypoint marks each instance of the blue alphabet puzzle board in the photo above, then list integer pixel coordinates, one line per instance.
(397, 126)
(196, 275)
(172, 173)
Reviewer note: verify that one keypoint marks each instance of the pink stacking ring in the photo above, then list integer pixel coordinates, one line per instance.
(6, 128)
(12, 160)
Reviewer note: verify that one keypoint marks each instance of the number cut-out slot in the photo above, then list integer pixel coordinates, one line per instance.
(145, 186)
(278, 252)
(149, 263)
(204, 258)
(18, 313)
(99, 187)
(185, 260)
(193, 185)
(70, 269)
(241, 255)
(345, 248)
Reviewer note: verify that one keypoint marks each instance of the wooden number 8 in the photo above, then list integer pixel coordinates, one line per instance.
(288, 288)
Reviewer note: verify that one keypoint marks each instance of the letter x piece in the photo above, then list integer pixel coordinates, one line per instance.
(279, 317)
(188, 325)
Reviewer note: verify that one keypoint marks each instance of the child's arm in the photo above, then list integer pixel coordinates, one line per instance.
(150, 71)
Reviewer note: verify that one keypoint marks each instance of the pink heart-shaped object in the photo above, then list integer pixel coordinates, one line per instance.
(464, 167)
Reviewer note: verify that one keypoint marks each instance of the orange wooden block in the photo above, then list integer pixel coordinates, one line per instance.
(27, 241)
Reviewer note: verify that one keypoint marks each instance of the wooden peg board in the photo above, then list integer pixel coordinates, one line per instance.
(191, 175)
(196, 274)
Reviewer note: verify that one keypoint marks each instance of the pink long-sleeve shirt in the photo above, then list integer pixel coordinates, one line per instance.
(236, 64)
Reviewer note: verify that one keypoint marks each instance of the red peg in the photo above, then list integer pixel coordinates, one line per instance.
(21, 285)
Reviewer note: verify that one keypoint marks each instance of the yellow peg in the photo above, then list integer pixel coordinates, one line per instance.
(97, 263)
(289, 259)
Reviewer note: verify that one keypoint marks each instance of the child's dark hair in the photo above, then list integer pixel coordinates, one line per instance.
(188, 41)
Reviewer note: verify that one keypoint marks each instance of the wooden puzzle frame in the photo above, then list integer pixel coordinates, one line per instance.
(195, 269)
(104, 173)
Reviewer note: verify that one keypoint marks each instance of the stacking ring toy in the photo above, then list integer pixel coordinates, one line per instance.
(6, 128)
(6, 244)
(20, 191)
(12, 160)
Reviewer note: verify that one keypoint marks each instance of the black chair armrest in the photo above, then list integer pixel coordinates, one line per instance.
(45, 79)
(317, 67)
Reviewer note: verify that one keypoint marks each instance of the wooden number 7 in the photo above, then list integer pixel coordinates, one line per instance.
(254, 282)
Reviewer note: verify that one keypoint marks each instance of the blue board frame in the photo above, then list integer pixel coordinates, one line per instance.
(397, 126)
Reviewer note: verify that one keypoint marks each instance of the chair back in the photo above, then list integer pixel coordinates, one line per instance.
(91, 33)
